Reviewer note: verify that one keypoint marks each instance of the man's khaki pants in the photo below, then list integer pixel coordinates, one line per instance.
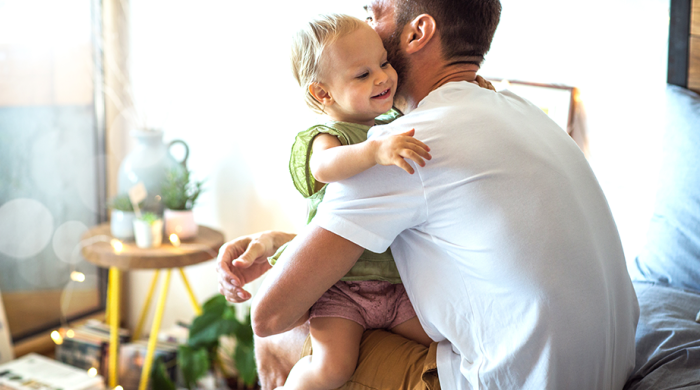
(390, 362)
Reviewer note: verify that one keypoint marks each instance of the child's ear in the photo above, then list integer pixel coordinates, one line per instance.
(321, 94)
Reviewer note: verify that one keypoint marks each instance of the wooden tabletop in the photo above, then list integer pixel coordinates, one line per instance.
(99, 250)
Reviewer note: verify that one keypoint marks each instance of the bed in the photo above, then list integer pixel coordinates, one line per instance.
(666, 274)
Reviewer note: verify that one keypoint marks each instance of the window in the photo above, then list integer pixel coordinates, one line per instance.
(51, 161)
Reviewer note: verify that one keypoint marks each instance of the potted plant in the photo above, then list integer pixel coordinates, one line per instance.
(179, 194)
(206, 348)
(121, 221)
(148, 230)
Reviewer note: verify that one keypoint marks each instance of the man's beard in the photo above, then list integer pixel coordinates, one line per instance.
(397, 59)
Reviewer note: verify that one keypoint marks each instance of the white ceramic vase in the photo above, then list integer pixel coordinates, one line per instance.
(148, 235)
(180, 222)
(121, 224)
(148, 163)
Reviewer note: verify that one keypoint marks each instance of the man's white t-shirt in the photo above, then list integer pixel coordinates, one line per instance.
(505, 244)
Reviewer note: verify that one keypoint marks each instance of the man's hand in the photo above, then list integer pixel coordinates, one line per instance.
(244, 259)
(392, 150)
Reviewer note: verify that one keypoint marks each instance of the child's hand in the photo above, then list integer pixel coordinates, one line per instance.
(483, 83)
(394, 149)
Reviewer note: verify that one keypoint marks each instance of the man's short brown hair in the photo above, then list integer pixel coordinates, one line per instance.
(466, 26)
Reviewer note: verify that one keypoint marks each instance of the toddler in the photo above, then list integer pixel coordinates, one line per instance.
(341, 65)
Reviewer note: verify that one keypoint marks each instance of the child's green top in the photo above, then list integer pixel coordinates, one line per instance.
(370, 265)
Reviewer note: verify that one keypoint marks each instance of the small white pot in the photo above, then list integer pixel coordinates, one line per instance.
(148, 235)
(121, 224)
(180, 222)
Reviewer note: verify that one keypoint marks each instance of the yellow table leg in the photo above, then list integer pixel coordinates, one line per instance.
(146, 305)
(109, 302)
(114, 287)
(195, 305)
(153, 338)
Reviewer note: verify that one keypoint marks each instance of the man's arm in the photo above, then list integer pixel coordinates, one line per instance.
(310, 265)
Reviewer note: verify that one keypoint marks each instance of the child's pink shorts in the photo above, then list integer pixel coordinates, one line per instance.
(371, 303)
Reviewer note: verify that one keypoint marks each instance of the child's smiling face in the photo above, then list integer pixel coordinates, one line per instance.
(357, 78)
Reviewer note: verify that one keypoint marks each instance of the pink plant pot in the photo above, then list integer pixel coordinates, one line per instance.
(180, 222)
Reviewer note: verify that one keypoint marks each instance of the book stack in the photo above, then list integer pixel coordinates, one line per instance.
(88, 347)
(36, 372)
(133, 355)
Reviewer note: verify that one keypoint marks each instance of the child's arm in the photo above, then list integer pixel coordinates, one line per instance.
(329, 163)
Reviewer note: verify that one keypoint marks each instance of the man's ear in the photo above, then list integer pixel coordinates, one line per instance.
(321, 94)
(418, 33)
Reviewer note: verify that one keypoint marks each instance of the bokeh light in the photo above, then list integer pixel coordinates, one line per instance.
(56, 337)
(77, 276)
(26, 227)
(117, 245)
(66, 240)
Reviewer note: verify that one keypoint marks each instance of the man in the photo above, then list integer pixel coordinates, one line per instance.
(504, 240)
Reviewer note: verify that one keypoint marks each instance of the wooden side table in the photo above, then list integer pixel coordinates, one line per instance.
(105, 251)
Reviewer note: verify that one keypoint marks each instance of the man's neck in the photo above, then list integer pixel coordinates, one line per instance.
(425, 78)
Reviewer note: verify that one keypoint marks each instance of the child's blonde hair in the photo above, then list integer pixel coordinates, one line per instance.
(307, 49)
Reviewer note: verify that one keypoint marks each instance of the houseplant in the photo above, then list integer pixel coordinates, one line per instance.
(148, 230)
(204, 347)
(121, 221)
(179, 194)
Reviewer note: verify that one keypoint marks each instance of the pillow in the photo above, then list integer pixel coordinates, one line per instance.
(672, 252)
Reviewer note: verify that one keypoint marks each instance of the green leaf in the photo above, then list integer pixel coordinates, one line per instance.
(245, 352)
(217, 303)
(122, 202)
(193, 363)
(208, 327)
(178, 191)
(245, 363)
(214, 322)
(204, 330)
(244, 334)
(159, 376)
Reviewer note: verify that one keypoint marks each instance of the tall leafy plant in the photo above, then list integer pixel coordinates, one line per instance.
(200, 354)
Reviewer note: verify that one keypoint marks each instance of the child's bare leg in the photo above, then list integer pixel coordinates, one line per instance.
(336, 346)
(412, 330)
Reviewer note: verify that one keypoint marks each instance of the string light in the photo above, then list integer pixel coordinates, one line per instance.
(56, 337)
(175, 240)
(70, 333)
(117, 245)
(77, 276)
(92, 372)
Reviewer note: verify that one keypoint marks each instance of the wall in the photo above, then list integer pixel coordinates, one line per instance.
(216, 74)
(616, 53)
